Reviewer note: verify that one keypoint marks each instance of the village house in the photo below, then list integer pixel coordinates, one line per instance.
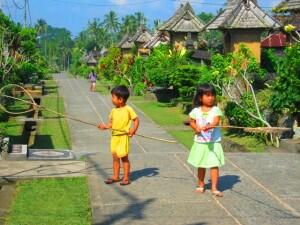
(126, 45)
(288, 12)
(243, 21)
(92, 57)
(183, 27)
(158, 38)
(138, 40)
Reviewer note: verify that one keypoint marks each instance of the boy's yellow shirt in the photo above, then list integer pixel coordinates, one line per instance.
(121, 118)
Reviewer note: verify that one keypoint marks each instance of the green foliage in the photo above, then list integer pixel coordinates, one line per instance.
(162, 65)
(108, 64)
(206, 17)
(51, 201)
(238, 117)
(286, 88)
(140, 89)
(26, 63)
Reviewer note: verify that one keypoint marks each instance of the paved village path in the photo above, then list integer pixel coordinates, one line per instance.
(259, 189)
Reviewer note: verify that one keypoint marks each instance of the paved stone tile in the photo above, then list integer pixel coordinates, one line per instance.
(162, 191)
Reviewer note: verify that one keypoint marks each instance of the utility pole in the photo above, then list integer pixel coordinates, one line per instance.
(25, 13)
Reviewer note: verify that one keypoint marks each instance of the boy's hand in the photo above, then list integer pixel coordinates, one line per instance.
(102, 126)
(131, 132)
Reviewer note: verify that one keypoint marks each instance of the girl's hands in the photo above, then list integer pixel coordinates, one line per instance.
(198, 130)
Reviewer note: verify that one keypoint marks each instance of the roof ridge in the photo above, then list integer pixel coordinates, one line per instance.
(233, 17)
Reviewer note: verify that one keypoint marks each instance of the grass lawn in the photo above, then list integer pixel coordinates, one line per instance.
(53, 131)
(60, 201)
(13, 124)
(160, 112)
(171, 118)
(102, 88)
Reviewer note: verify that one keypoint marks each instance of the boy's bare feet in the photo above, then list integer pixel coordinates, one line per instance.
(111, 181)
(125, 182)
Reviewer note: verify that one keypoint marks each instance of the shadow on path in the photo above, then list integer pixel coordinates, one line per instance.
(146, 172)
(226, 182)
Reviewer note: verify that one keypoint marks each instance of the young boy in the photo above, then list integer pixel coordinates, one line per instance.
(120, 122)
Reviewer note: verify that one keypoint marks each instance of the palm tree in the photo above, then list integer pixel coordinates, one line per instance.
(157, 23)
(129, 24)
(140, 18)
(94, 27)
(41, 26)
(111, 23)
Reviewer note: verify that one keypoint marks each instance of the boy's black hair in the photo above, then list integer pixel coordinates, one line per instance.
(202, 90)
(121, 92)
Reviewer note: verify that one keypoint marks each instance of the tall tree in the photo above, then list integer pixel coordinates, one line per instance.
(111, 22)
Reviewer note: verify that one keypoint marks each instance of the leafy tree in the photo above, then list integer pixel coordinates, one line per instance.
(20, 58)
(286, 88)
(206, 17)
(234, 74)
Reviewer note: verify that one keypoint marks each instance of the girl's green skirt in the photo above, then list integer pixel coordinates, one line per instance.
(206, 155)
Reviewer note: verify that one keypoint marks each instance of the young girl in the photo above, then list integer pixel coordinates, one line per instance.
(120, 120)
(207, 151)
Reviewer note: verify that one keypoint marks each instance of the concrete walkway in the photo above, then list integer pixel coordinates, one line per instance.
(258, 188)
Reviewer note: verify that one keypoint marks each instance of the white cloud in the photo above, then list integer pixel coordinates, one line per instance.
(119, 2)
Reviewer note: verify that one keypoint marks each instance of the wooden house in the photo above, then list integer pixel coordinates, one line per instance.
(183, 24)
(141, 37)
(92, 57)
(292, 6)
(157, 39)
(243, 21)
(288, 12)
(126, 45)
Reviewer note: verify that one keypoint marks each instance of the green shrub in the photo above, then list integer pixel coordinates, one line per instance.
(140, 89)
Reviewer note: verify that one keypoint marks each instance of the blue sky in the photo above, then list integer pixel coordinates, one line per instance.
(74, 14)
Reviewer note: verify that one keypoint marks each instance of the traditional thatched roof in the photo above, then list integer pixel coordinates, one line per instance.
(289, 5)
(142, 35)
(241, 14)
(90, 59)
(184, 20)
(126, 42)
(158, 38)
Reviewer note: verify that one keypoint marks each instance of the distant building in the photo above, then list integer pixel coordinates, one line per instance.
(126, 45)
(92, 57)
(288, 12)
(243, 21)
(158, 38)
(141, 37)
(138, 40)
(183, 26)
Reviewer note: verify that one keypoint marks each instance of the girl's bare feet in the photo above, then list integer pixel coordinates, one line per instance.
(217, 193)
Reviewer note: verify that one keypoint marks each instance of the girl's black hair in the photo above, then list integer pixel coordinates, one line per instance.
(202, 90)
(121, 92)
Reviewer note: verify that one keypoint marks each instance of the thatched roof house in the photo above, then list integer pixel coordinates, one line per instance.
(141, 37)
(183, 22)
(289, 6)
(92, 57)
(243, 21)
(157, 39)
(126, 44)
